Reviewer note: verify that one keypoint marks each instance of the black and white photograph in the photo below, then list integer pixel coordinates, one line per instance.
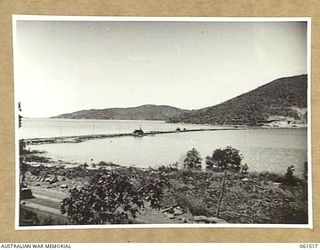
(162, 122)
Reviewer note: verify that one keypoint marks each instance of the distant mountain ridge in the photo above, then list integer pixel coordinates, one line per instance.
(284, 98)
(144, 112)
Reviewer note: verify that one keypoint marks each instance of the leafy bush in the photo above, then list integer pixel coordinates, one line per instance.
(167, 169)
(224, 160)
(289, 178)
(221, 159)
(113, 197)
(192, 160)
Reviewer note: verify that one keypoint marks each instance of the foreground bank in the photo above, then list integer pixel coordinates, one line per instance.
(119, 195)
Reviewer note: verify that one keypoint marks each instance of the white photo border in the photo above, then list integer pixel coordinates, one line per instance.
(16, 18)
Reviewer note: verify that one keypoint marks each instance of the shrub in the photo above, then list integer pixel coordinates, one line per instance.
(167, 169)
(221, 159)
(224, 159)
(289, 178)
(112, 197)
(192, 160)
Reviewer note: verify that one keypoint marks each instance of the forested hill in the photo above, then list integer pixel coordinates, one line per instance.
(284, 98)
(144, 112)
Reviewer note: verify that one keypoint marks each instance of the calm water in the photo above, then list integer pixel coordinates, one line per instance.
(41, 128)
(262, 149)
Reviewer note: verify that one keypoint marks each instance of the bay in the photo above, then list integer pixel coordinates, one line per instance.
(272, 150)
(43, 128)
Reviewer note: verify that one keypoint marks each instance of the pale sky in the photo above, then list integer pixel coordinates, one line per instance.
(66, 66)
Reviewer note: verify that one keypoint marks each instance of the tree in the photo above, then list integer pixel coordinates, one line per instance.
(224, 159)
(213, 162)
(112, 197)
(192, 160)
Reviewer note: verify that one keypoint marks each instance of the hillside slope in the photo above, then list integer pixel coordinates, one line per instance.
(144, 112)
(284, 98)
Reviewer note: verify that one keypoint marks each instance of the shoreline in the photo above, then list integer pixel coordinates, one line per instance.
(264, 194)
